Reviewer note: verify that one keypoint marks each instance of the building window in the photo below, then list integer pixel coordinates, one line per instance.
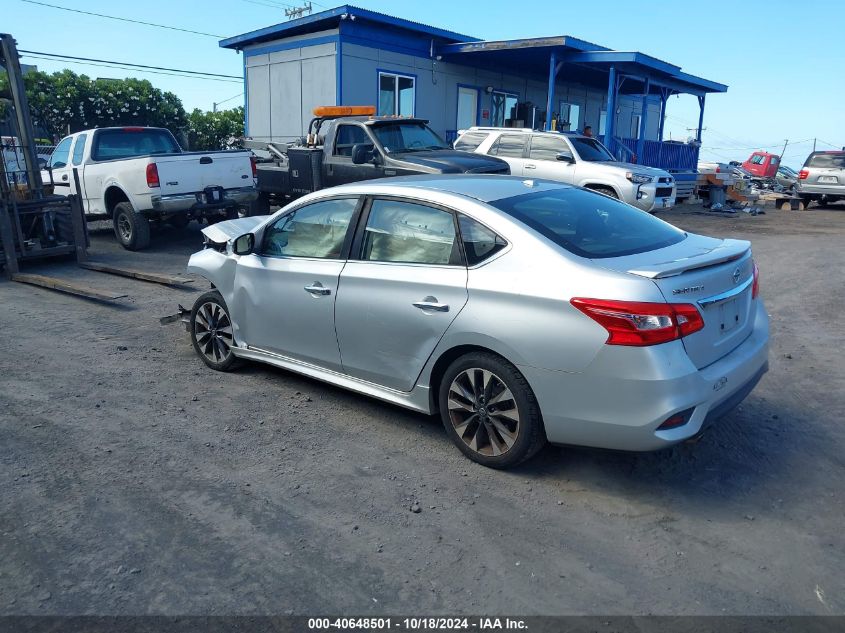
(602, 122)
(504, 108)
(396, 94)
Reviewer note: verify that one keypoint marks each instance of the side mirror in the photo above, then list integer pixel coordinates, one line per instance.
(362, 153)
(565, 157)
(244, 245)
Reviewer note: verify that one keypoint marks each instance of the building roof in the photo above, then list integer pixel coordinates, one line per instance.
(331, 18)
(585, 62)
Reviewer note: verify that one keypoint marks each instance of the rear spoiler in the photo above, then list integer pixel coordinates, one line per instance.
(727, 251)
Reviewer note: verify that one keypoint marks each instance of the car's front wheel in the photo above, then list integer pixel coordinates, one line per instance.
(211, 331)
(490, 411)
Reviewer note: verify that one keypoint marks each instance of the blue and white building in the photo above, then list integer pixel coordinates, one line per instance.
(353, 56)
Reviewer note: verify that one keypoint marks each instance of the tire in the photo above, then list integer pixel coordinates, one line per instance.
(211, 332)
(497, 440)
(131, 229)
(179, 221)
(607, 191)
(260, 206)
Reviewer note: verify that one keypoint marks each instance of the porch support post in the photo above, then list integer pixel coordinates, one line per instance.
(610, 119)
(551, 93)
(664, 95)
(643, 121)
(700, 118)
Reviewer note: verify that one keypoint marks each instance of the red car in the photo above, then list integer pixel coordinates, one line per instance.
(762, 164)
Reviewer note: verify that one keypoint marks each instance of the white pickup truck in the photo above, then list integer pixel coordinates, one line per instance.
(132, 175)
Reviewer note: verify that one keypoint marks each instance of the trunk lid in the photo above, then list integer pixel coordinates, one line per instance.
(193, 172)
(715, 276)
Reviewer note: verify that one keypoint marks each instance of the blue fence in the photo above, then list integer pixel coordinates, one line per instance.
(666, 155)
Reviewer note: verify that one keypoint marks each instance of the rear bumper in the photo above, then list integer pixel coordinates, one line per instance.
(820, 190)
(194, 201)
(628, 392)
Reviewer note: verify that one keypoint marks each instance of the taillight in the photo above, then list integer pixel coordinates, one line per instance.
(640, 323)
(152, 176)
(802, 175)
(254, 167)
(755, 286)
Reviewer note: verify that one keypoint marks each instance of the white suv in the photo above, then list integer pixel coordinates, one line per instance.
(574, 159)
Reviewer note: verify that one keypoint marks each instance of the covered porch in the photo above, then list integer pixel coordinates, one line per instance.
(632, 77)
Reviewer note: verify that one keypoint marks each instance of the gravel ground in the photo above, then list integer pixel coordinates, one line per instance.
(133, 480)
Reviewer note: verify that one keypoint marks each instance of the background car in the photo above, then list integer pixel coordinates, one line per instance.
(822, 179)
(523, 311)
(573, 159)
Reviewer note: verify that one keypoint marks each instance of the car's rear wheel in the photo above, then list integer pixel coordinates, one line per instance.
(131, 229)
(490, 411)
(211, 331)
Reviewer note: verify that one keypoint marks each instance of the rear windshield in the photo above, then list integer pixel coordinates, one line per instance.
(590, 149)
(827, 160)
(112, 144)
(590, 224)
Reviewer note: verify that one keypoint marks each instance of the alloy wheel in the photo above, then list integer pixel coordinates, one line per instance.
(483, 412)
(124, 227)
(213, 332)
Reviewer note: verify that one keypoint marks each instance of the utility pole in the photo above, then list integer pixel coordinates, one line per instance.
(294, 13)
(785, 143)
(814, 145)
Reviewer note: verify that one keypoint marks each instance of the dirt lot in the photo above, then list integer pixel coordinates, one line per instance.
(133, 480)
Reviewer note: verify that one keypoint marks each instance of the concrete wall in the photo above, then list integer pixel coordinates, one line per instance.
(284, 86)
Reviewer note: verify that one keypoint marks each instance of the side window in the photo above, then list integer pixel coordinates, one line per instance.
(470, 141)
(316, 230)
(410, 233)
(479, 242)
(79, 149)
(509, 145)
(61, 154)
(347, 136)
(547, 147)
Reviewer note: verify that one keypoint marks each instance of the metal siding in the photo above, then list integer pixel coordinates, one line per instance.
(258, 100)
(318, 85)
(286, 88)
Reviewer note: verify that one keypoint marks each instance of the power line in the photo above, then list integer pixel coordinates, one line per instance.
(109, 61)
(113, 17)
(152, 72)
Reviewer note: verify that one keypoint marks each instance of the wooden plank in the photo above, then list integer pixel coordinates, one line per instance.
(65, 286)
(167, 280)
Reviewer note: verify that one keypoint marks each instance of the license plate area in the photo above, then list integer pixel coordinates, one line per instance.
(728, 315)
(830, 180)
(211, 195)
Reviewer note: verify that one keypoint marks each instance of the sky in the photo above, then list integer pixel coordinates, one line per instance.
(782, 60)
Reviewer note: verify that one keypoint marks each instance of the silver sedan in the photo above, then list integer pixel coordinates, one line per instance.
(522, 311)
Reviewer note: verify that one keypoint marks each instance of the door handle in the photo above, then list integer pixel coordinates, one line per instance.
(531, 167)
(64, 176)
(317, 289)
(430, 303)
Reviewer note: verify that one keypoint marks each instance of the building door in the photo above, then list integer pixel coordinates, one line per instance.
(467, 107)
(570, 116)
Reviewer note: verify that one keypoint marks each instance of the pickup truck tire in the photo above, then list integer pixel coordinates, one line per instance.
(131, 229)
(259, 206)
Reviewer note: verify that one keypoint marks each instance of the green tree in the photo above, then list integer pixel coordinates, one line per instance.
(211, 130)
(64, 101)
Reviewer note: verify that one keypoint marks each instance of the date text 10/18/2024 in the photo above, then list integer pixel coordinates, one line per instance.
(417, 624)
